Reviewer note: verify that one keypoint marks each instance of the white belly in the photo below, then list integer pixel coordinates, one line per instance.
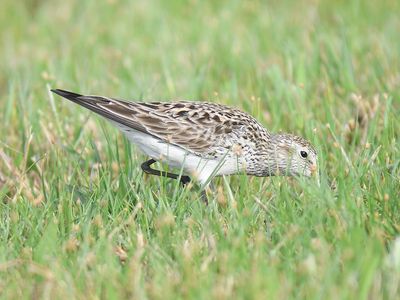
(176, 157)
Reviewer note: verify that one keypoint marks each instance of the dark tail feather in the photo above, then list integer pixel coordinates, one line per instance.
(89, 102)
(66, 94)
(101, 106)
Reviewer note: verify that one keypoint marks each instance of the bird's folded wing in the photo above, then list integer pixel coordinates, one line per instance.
(197, 127)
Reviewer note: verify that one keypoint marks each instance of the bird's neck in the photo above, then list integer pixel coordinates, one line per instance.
(275, 156)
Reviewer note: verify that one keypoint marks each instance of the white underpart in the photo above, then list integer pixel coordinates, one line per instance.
(176, 157)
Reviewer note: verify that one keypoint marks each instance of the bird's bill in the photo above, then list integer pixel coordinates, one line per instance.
(315, 173)
(313, 170)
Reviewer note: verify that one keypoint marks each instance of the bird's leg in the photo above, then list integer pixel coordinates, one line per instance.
(183, 179)
(203, 197)
(148, 170)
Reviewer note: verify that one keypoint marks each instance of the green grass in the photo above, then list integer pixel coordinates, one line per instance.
(79, 220)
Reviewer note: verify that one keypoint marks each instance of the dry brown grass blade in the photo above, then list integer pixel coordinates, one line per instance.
(19, 180)
(365, 111)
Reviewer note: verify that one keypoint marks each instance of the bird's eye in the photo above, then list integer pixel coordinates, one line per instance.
(303, 154)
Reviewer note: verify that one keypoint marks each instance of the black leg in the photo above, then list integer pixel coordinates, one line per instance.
(147, 169)
(184, 179)
(204, 197)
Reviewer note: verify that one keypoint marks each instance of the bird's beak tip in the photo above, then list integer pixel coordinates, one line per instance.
(314, 170)
(315, 173)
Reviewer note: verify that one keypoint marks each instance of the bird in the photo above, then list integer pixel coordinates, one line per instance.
(202, 139)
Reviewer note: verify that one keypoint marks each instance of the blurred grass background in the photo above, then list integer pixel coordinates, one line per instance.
(79, 220)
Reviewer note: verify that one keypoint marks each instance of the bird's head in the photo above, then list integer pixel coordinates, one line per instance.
(292, 155)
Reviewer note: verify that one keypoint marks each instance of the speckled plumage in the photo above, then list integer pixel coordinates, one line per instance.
(227, 139)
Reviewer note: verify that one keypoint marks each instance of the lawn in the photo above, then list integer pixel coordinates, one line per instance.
(79, 220)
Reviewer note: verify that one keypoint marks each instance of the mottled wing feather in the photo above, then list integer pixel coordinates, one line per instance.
(185, 124)
(198, 127)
